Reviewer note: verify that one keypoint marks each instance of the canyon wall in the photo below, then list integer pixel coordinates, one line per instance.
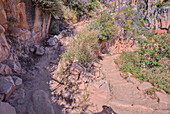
(22, 23)
(158, 19)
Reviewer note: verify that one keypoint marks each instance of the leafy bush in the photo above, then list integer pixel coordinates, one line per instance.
(105, 24)
(49, 6)
(128, 12)
(71, 10)
(70, 15)
(154, 51)
(82, 47)
(150, 62)
(81, 7)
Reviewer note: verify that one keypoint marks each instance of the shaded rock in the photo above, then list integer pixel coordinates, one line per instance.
(56, 17)
(162, 98)
(17, 81)
(76, 69)
(41, 103)
(86, 77)
(124, 75)
(5, 69)
(6, 108)
(32, 49)
(133, 80)
(99, 74)
(106, 110)
(81, 85)
(145, 86)
(2, 96)
(6, 86)
(14, 65)
(40, 51)
(51, 42)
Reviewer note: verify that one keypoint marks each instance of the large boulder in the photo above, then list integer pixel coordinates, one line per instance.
(6, 108)
(7, 86)
(40, 103)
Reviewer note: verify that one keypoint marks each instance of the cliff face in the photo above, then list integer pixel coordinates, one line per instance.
(157, 18)
(22, 22)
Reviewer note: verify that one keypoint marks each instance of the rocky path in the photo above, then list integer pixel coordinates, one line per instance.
(125, 97)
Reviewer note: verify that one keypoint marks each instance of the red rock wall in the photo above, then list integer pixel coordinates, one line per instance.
(23, 22)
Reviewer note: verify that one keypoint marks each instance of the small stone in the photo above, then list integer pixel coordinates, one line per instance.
(6, 86)
(16, 66)
(56, 17)
(32, 49)
(86, 77)
(106, 110)
(99, 74)
(51, 42)
(40, 51)
(5, 70)
(145, 86)
(133, 80)
(81, 85)
(125, 76)
(76, 69)
(97, 65)
(162, 98)
(129, 74)
(17, 81)
(6, 108)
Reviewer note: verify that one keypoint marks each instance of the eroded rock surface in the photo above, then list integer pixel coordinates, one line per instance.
(40, 103)
(6, 108)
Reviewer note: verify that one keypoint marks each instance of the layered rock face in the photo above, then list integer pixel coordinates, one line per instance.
(157, 18)
(22, 22)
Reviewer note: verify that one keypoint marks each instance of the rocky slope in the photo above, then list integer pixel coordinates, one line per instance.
(22, 22)
(21, 26)
(28, 60)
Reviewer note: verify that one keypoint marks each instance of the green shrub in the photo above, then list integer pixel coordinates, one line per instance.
(105, 24)
(150, 62)
(128, 12)
(12, 20)
(70, 15)
(49, 6)
(81, 7)
(82, 47)
(154, 52)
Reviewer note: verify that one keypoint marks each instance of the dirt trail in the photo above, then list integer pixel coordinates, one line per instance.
(126, 98)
